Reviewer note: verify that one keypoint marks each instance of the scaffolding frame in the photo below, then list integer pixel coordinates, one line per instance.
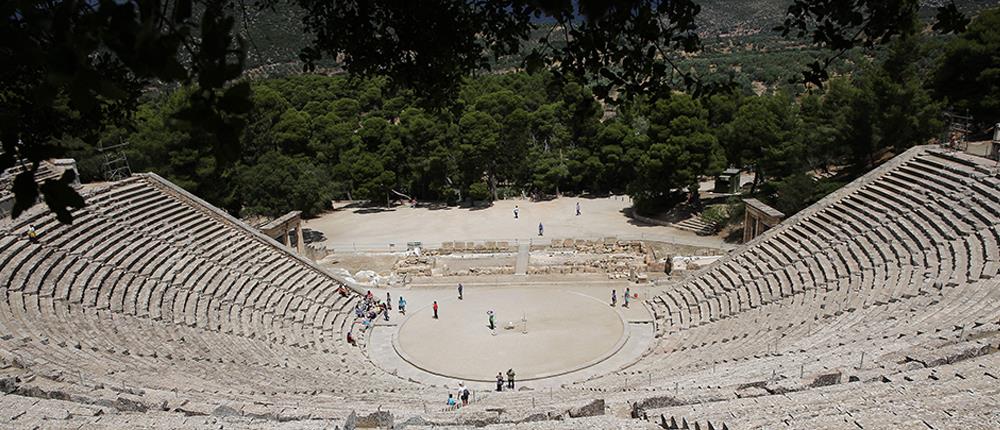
(115, 165)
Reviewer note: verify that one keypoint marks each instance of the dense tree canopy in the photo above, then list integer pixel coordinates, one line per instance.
(312, 138)
(75, 74)
(969, 75)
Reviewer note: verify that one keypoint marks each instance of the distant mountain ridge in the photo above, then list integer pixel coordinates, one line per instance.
(276, 36)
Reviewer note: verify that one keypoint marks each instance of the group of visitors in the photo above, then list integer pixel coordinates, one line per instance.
(541, 228)
(614, 297)
(371, 308)
(510, 380)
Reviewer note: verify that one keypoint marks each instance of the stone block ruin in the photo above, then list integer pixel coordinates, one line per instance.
(616, 259)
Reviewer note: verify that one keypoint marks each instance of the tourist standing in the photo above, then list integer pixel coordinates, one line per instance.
(402, 305)
(460, 288)
(463, 393)
(492, 320)
(451, 400)
(388, 301)
(435, 309)
(516, 210)
(499, 381)
(614, 298)
(577, 208)
(510, 378)
(627, 293)
(541, 229)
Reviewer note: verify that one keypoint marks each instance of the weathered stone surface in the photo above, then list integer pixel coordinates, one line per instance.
(480, 422)
(291, 415)
(379, 419)
(540, 416)
(225, 411)
(58, 414)
(657, 402)
(126, 404)
(413, 421)
(591, 409)
(351, 422)
(8, 385)
(824, 380)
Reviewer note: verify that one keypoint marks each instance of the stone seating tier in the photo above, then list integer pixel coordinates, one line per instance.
(876, 307)
(150, 286)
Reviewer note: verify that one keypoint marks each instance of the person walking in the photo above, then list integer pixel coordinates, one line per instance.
(435, 309)
(493, 325)
(510, 379)
(614, 298)
(577, 208)
(463, 393)
(516, 210)
(451, 400)
(402, 305)
(541, 229)
(460, 288)
(499, 381)
(625, 302)
(388, 301)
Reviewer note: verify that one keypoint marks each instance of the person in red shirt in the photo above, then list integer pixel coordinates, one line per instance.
(435, 309)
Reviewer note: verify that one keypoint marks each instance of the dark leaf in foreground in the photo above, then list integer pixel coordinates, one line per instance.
(60, 196)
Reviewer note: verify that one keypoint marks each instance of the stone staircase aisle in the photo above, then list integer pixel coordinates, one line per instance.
(697, 225)
(523, 253)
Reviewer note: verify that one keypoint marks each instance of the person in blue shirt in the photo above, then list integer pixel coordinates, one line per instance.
(402, 305)
(451, 400)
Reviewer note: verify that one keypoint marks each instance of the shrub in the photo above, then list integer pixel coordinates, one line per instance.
(479, 192)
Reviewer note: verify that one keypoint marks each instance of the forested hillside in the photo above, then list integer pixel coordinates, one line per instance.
(689, 107)
(313, 138)
(276, 35)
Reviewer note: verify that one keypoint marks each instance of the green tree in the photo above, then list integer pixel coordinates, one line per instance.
(549, 171)
(369, 179)
(268, 106)
(182, 155)
(277, 184)
(681, 149)
(291, 133)
(480, 148)
(331, 136)
(968, 76)
(766, 135)
(906, 114)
